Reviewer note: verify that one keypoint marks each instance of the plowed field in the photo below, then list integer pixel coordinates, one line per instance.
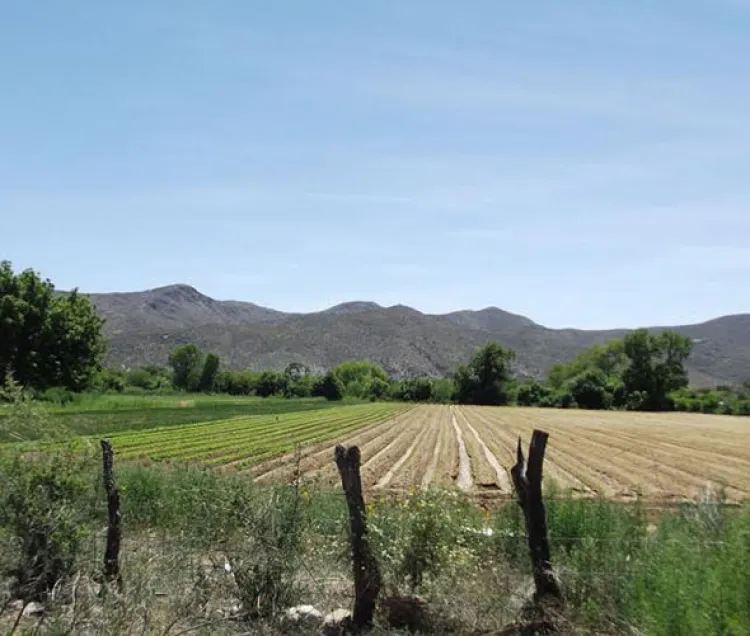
(664, 458)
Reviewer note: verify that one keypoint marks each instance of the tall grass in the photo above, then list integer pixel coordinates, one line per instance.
(685, 572)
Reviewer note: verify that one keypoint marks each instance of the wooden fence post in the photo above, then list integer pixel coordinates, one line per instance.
(529, 491)
(114, 527)
(367, 579)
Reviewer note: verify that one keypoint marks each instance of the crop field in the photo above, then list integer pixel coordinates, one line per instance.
(661, 457)
(242, 442)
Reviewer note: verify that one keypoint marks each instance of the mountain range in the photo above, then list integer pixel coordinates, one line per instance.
(142, 328)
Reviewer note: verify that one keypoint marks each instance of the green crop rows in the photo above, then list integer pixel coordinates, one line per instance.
(245, 441)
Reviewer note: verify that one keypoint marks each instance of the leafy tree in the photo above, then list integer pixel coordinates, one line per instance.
(357, 376)
(330, 387)
(656, 367)
(297, 381)
(590, 390)
(415, 390)
(379, 389)
(443, 390)
(149, 378)
(534, 393)
(108, 380)
(47, 339)
(186, 362)
(610, 359)
(269, 383)
(207, 382)
(487, 378)
(236, 382)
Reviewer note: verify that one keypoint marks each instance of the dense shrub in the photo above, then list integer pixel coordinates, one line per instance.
(45, 505)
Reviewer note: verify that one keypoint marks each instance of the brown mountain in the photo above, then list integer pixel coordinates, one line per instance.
(143, 327)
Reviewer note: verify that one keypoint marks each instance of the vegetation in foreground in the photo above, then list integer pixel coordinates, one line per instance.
(219, 554)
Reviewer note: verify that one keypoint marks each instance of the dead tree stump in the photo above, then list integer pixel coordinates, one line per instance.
(529, 492)
(114, 526)
(367, 580)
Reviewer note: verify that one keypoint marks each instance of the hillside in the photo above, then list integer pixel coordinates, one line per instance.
(143, 327)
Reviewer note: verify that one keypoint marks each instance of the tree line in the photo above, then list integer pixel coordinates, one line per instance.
(53, 343)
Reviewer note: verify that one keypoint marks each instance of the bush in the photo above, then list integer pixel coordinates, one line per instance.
(266, 565)
(46, 504)
(58, 396)
(421, 536)
(330, 387)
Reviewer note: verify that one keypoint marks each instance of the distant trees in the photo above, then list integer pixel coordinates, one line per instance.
(656, 368)
(47, 339)
(487, 378)
(359, 376)
(209, 373)
(330, 387)
(186, 362)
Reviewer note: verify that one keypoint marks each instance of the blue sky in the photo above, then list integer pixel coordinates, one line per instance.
(584, 163)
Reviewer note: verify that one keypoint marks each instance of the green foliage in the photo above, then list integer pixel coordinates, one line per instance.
(266, 566)
(590, 390)
(26, 418)
(379, 389)
(186, 362)
(330, 387)
(207, 382)
(487, 378)
(415, 390)
(297, 381)
(443, 390)
(41, 505)
(421, 536)
(609, 359)
(534, 393)
(149, 378)
(718, 401)
(639, 372)
(109, 381)
(656, 367)
(357, 377)
(269, 383)
(237, 382)
(47, 340)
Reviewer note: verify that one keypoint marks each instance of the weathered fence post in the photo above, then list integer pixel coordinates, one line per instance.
(114, 526)
(529, 491)
(367, 579)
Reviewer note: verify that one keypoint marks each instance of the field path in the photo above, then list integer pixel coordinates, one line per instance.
(503, 481)
(386, 479)
(464, 481)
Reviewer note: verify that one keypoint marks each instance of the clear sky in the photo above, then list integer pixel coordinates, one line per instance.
(585, 163)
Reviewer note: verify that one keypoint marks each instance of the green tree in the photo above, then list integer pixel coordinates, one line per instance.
(209, 373)
(330, 387)
(415, 390)
(186, 362)
(656, 367)
(533, 393)
(590, 390)
(610, 359)
(357, 376)
(379, 389)
(47, 339)
(269, 383)
(487, 378)
(296, 380)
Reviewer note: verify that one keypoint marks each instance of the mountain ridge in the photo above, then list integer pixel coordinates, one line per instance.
(142, 327)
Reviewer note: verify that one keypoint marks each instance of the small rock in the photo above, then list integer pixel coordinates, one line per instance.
(304, 612)
(337, 621)
(33, 609)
